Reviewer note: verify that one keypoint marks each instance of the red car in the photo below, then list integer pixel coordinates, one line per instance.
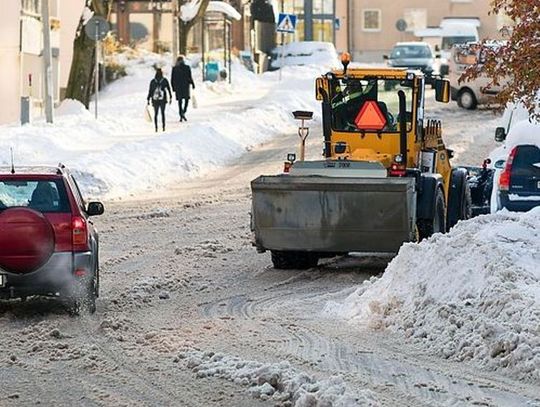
(48, 245)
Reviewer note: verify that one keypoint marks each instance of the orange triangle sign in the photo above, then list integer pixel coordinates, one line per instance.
(370, 117)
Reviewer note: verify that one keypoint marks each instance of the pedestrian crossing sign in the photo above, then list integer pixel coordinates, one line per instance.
(286, 23)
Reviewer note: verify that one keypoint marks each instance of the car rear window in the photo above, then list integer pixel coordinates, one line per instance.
(410, 51)
(41, 195)
(527, 161)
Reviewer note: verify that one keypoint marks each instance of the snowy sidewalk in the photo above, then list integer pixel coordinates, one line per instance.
(120, 154)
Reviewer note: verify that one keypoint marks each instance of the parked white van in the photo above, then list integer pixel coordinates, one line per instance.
(457, 32)
(471, 93)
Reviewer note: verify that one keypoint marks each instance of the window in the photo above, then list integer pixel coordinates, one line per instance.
(31, 6)
(323, 7)
(449, 42)
(411, 52)
(527, 163)
(291, 6)
(42, 196)
(322, 30)
(371, 20)
(348, 96)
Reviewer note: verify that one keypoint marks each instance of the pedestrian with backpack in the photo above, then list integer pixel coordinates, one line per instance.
(157, 93)
(181, 80)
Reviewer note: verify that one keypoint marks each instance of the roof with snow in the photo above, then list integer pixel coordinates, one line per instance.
(225, 8)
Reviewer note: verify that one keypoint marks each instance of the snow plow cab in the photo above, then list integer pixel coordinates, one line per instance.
(385, 178)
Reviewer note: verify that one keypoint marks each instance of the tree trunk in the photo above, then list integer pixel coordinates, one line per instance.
(185, 26)
(183, 31)
(81, 75)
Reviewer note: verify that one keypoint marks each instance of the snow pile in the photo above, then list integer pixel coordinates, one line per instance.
(120, 154)
(278, 382)
(306, 53)
(522, 132)
(472, 294)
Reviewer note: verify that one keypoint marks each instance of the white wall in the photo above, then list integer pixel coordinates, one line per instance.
(9, 65)
(15, 68)
(69, 13)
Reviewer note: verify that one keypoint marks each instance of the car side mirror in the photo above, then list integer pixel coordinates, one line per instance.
(500, 134)
(385, 57)
(499, 164)
(95, 208)
(442, 90)
(445, 70)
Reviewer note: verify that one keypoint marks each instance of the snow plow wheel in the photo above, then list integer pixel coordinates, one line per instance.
(459, 200)
(294, 260)
(427, 227)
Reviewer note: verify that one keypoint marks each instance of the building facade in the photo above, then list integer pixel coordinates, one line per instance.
(373, 22)
(367, 28)
(21, 44)
(316, 18)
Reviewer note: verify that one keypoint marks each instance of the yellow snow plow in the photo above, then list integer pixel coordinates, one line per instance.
(385, 178)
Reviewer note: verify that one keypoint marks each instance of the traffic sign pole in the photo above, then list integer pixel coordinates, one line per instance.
(286, 24)
(282, 64)
(96, 28)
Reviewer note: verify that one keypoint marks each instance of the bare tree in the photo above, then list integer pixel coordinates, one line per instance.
(185, 26)
(517, 60)
(81, 75)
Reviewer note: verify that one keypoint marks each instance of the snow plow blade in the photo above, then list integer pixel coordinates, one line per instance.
(333, 215)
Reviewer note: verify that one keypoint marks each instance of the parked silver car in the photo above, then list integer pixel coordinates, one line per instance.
(414, 55)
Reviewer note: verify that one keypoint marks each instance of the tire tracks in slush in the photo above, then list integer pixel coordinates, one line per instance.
(292, 312)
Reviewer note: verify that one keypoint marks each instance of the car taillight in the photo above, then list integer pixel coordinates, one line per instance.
(504, 178)
(79, 233)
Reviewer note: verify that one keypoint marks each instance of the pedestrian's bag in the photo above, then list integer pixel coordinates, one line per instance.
(159, 94)
(148, 113)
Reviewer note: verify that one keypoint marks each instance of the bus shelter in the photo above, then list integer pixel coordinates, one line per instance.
(217, 33)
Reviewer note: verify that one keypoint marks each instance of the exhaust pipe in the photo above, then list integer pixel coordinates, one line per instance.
(402, 126)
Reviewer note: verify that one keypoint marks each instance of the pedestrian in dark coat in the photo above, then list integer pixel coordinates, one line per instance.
(181, 80)
(157, 93)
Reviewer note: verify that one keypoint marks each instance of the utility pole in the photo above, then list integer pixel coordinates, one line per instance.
(47, 61)
(96, 70)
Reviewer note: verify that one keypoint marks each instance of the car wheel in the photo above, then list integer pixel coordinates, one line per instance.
(84, 299)
(466, 100)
